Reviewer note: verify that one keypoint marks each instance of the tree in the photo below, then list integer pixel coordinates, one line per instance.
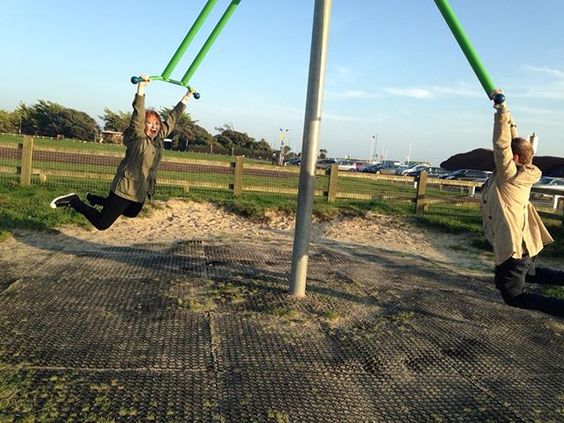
(239, 139)
(186, 132)
(322, 153)
(9, 122)
(51, 119)
(77, 124)
(115, 121)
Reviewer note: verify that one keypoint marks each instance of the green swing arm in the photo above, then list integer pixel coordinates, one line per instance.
(468, 50)
(196, 26)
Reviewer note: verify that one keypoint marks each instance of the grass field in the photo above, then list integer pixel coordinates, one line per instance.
(26, 207)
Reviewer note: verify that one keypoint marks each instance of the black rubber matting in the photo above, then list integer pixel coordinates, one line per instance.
(205, 331)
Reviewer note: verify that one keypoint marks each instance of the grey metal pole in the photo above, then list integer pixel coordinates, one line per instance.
(312, 121)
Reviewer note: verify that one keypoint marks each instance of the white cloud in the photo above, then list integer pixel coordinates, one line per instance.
(558, 73)
(344, 118)
(459, 90)
(410, 92)
(352, 94)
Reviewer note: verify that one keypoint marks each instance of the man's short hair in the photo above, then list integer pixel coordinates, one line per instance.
(524, 149)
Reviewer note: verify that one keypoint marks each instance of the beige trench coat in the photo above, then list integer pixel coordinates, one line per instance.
(510, 221)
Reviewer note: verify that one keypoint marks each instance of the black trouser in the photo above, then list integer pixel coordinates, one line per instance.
(510, 279)
(112, 207)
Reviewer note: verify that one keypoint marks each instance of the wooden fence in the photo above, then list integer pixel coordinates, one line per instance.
(339, 185)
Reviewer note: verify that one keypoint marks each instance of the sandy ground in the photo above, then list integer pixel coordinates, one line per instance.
(177, 220)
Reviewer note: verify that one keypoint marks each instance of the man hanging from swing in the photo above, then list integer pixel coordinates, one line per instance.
(511, 223)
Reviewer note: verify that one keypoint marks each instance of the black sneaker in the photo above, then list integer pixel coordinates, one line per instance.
(63, 200)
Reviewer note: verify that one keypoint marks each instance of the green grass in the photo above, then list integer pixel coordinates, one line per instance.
(28, 207)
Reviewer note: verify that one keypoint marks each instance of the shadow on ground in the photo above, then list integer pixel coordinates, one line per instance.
(204, 330)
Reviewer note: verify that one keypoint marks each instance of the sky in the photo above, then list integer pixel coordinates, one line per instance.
(396, 81)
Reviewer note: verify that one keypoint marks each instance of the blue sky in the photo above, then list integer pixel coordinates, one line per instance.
(394, 70)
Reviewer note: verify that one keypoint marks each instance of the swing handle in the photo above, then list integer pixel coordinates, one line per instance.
(499, 98)
(137, 79)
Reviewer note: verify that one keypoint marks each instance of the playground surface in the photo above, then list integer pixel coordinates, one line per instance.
(124, 326)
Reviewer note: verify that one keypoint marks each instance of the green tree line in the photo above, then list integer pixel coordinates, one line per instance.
(46, 118)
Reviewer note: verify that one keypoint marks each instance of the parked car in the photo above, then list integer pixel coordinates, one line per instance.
(432, 172)
(468, 175)
(360, 165)
(548, 182)
(347, 165)
(372, 168)
(325, 163)
(390, 170)
(410, 169)
(296, 161)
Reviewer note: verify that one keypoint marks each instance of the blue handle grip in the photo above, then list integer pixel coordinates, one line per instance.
(499, 98)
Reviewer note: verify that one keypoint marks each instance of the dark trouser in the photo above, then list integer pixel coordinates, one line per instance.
(510, 279)
(112, 207)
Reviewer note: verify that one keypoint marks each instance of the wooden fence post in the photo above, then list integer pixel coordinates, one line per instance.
(333, 175)
(420, 200)
(26, 163)
(237, 186)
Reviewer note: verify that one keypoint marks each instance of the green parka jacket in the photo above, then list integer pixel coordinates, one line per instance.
(511, 223)
(135, 178)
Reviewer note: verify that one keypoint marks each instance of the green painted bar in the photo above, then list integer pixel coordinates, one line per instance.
(209, 42)
(464, 42)
(188, 38)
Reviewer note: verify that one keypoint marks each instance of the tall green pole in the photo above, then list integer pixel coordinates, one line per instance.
(466, 46)
(188, 38)
(214, 34)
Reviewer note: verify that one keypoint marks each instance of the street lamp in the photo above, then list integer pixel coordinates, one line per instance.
(373, 147)
(411, 145)
(283, 134)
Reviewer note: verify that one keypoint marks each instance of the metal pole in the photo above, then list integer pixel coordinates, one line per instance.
(312, 121)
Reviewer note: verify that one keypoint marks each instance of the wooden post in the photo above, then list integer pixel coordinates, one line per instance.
(237, 186)
(333, 175)
(420, 200)
(26, 169)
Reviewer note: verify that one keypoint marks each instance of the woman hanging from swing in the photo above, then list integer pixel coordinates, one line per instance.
(135, 178)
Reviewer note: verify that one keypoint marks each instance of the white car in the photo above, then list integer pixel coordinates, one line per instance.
(547, 186)
(348, 165)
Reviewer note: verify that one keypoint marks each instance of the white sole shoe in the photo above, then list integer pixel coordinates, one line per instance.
(53, 203)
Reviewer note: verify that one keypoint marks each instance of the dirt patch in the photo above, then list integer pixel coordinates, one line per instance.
(177, 220)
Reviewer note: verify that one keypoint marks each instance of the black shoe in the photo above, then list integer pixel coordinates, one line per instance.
(90, 198)
(63, 200)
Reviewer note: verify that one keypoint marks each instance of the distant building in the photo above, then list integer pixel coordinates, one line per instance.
(112, 137)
